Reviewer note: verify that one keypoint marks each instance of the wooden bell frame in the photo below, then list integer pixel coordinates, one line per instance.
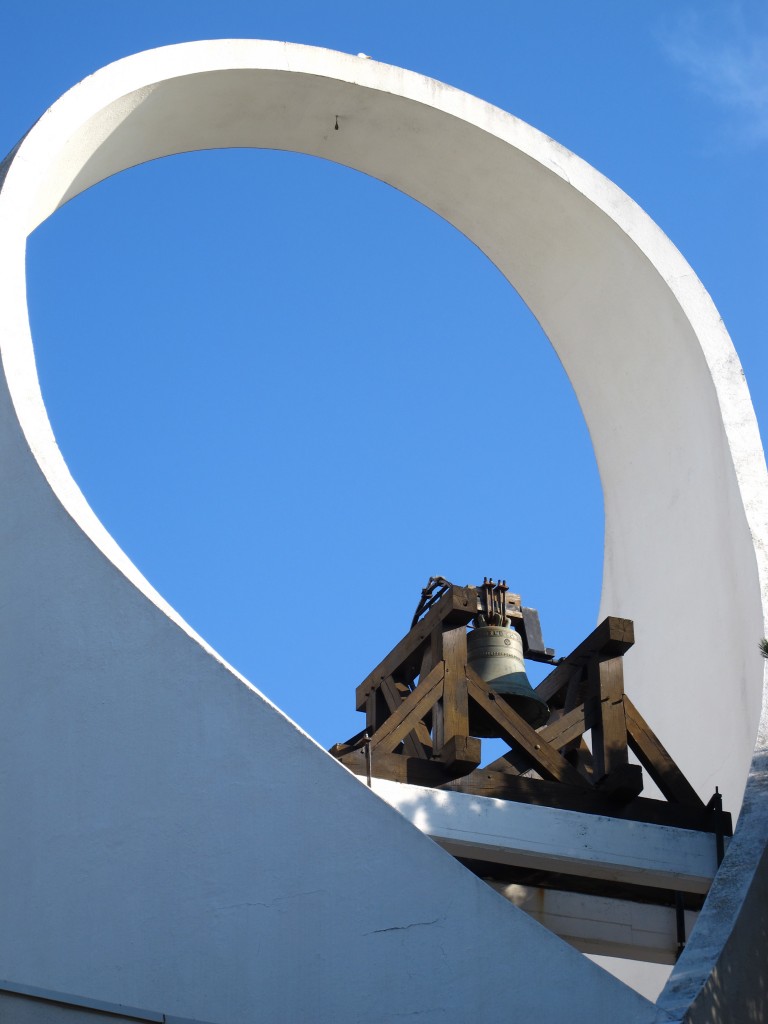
(417, 703)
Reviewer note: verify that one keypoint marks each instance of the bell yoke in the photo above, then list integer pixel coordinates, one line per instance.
(495, 652)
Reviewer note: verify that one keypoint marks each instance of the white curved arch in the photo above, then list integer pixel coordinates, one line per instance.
(658, 380)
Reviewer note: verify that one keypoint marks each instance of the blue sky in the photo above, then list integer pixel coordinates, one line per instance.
(254, 361)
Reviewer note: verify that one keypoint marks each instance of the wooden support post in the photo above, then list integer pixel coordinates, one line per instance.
(613, 774)
(609, 733)
(374, 711)
(452, 742)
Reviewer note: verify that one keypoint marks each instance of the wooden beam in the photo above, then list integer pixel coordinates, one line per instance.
(353, 743)
(456, 607)
(518, 733)
(657, 762)
(602, 925)
(375, 711)
(551, 839)
(513, 763)
(398, 768)
(412, 710)
(612, 638)
(580, 756)
(568, 727)
(552, 687)
(623, 783)
(517, 788)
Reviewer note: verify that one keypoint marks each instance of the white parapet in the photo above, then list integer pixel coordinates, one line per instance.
(551, 839)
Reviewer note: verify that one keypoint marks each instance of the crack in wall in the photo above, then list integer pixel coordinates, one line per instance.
(403, 927)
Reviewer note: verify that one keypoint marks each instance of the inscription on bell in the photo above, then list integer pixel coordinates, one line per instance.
(496, 654)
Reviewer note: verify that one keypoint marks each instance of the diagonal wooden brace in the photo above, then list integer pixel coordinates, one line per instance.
(656, 761)
(612, 638)
(557, 734)
(418, 742)
(411, 711)
(546, 760)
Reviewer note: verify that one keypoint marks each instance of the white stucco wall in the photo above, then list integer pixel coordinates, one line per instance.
(174, 841)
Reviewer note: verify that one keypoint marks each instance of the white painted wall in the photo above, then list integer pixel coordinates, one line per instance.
(603, 926)
(157, 812)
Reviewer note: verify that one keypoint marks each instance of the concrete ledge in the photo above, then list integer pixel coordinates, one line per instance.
(551, 839)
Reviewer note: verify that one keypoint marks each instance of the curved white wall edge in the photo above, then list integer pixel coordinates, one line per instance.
(656, 375)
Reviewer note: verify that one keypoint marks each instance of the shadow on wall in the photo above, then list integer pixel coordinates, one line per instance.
(737, 990)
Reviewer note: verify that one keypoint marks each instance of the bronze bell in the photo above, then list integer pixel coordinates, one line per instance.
(496, 654)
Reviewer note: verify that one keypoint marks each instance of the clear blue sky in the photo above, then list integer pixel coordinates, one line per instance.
(252, 360)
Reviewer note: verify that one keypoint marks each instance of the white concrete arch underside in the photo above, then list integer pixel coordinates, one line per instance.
(171, 840)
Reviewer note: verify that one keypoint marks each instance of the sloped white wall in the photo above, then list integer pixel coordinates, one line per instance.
(173, 840)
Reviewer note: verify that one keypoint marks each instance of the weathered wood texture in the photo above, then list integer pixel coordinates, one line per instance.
(418, 742)
(456, 607)
(612, 638)
(411, 710)
(609, 735)
(656, 761)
